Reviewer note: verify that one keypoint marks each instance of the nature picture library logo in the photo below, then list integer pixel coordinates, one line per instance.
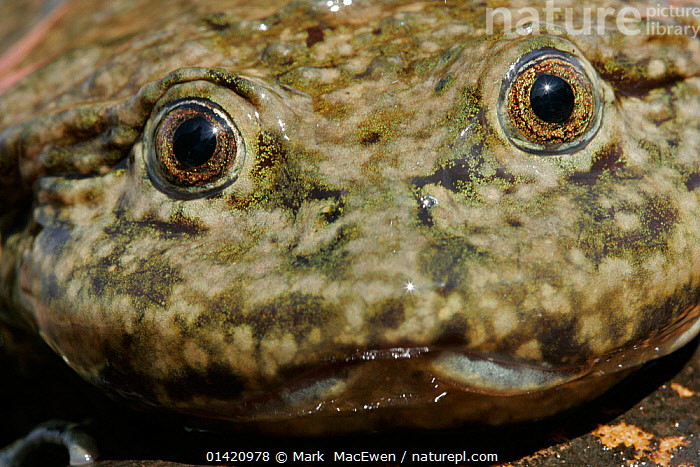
(657, 20)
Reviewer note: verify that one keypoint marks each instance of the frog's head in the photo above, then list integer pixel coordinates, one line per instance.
(366, 221)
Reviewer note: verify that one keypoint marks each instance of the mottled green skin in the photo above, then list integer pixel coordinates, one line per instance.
(351, 120)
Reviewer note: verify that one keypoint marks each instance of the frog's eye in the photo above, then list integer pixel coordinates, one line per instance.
(549, 103)
(195, 149)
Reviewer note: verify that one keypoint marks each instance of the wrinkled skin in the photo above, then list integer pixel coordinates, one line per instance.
(384, 252)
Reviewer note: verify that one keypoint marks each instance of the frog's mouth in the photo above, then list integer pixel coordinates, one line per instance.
(476, 387)
(417, 387)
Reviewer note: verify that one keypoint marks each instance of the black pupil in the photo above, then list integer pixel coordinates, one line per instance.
(194, 142)
(552, 99)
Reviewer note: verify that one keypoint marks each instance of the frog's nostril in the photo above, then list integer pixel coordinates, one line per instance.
(425, 203)
(331, 212)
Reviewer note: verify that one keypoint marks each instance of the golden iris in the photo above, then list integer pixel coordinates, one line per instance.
(195, 144)
(551, 105)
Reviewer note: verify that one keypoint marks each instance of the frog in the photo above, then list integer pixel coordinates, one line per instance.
(325, 217)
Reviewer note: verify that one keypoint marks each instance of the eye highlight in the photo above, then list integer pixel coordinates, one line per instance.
(195, 149)
(549, 103)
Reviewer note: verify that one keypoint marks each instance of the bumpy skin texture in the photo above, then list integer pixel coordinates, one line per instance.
(381, 227)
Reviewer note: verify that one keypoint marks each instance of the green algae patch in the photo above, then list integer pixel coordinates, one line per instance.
(601, 237)
(335, 111)
(467, 107)
(381, 126)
